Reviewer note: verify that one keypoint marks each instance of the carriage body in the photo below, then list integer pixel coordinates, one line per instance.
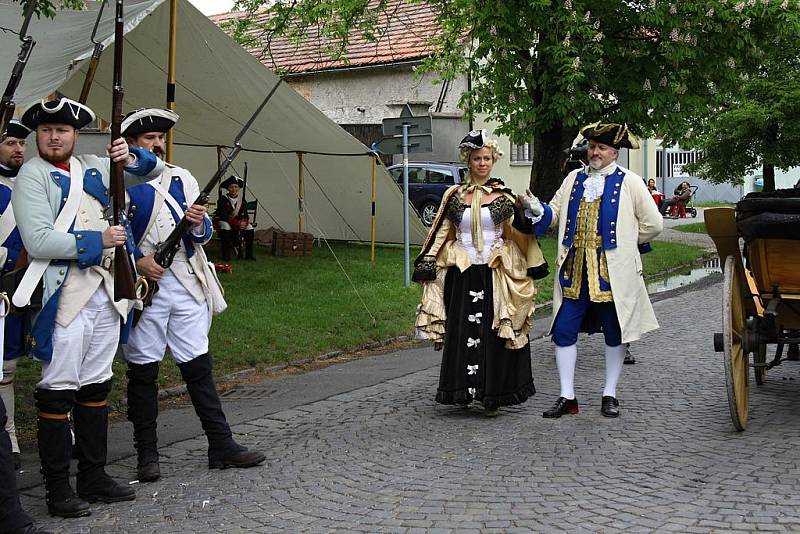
(761, 289)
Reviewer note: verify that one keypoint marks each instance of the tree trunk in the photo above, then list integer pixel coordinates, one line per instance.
(547, 171)
(768, 171)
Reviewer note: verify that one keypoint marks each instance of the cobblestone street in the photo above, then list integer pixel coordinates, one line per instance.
(386, 458)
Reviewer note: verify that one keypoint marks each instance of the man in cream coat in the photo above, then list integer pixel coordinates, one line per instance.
(65, 199)
(180, 314)
(605, 218)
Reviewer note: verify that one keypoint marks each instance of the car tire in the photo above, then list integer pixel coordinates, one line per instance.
(427, 212)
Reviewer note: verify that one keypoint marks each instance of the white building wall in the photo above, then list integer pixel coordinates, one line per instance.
(369, 95)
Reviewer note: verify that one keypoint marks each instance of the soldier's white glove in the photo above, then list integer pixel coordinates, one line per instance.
(531, 204)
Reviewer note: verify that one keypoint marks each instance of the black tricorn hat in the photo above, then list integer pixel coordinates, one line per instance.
(16, 129)
(232, 180)
(473, 140)
(59, 111)
(145, 120)
(611, 134)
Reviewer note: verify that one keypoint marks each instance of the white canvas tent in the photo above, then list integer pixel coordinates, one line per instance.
(219, 85)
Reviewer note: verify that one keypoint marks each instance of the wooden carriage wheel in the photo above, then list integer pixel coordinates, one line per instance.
(733, 331)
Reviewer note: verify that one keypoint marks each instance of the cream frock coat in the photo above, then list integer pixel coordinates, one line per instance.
(638, 221)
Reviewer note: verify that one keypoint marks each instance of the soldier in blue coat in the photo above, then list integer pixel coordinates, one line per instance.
(76, 330)
(179, 316)
(12, 154)
(605, 218)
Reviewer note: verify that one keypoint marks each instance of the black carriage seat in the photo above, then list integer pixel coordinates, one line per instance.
(772, 215)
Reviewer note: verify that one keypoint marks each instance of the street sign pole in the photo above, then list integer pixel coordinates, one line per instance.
(406, 240)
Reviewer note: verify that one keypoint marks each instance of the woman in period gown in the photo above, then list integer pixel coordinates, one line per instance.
(477, 268)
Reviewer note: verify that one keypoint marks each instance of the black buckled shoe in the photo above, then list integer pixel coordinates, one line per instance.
(610, 406)
(67, 505)
(148, 472)
(561, 407)
(105, 489)
(243, 458)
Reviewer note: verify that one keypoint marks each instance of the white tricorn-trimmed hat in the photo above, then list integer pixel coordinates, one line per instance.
(17, 129)
(145, 120)
(59, 111)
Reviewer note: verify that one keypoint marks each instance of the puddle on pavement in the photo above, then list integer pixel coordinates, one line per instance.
(685, 277)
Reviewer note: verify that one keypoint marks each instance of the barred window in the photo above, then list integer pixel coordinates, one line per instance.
(522, 153)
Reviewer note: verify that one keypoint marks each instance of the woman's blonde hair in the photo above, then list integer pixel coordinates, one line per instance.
(492, 144)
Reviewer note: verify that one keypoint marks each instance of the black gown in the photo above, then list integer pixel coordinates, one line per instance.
(476, 365)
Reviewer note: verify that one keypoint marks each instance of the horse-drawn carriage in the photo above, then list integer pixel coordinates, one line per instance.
(761, 293)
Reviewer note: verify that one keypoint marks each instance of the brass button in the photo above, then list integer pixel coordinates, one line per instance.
(79, 236)
(613, 240)
(612, 232)
(613, 200)
(613, 223)
(81, 250)
(61, 272)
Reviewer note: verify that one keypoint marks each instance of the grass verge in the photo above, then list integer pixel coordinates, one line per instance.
(285, 309)
(693, 228)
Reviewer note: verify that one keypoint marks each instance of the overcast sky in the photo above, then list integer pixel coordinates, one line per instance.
(212, 7)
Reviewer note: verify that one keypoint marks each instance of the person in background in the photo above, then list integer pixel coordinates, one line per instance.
(680, 197)
(233, 221)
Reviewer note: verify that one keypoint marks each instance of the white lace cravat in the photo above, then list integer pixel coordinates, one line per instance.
(595, 183)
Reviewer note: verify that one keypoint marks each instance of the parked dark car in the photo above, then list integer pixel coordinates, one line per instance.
(427, 182)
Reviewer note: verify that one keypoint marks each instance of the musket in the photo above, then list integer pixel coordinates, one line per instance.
(7, 104)
(96, 53)
(244, 202)
(165, 251)
(123, 273)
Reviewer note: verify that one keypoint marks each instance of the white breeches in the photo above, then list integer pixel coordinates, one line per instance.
(84, 350)
(7, 394)
(176, 320)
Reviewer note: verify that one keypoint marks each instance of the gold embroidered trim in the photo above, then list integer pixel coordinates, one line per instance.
(584, 252)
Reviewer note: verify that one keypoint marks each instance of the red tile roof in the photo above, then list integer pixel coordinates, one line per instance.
(403, 34)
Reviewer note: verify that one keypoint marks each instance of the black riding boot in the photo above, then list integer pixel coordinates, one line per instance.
(55, 452)
(90, 417)
(223, 451)
(12, 517)
(249, 237)
(143, 414)
(226, 239)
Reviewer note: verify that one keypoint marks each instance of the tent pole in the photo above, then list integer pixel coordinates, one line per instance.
(372, 222)
(173, 23)
(300, 192)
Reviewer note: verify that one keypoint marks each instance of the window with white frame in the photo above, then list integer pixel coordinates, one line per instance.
(522, 153)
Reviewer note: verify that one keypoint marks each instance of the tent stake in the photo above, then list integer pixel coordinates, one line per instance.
(300, 192)
(173, 26)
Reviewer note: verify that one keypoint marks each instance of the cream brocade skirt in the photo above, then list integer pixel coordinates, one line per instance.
(514, 294)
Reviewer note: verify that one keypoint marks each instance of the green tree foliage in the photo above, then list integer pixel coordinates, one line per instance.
(543, 68)
(48, 8)
(759, 125)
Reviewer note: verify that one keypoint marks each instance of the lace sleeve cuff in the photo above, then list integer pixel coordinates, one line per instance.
(424, 269)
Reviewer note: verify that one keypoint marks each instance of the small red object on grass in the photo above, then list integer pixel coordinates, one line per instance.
(223, 267)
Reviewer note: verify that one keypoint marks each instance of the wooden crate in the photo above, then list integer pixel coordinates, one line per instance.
(292, 243)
